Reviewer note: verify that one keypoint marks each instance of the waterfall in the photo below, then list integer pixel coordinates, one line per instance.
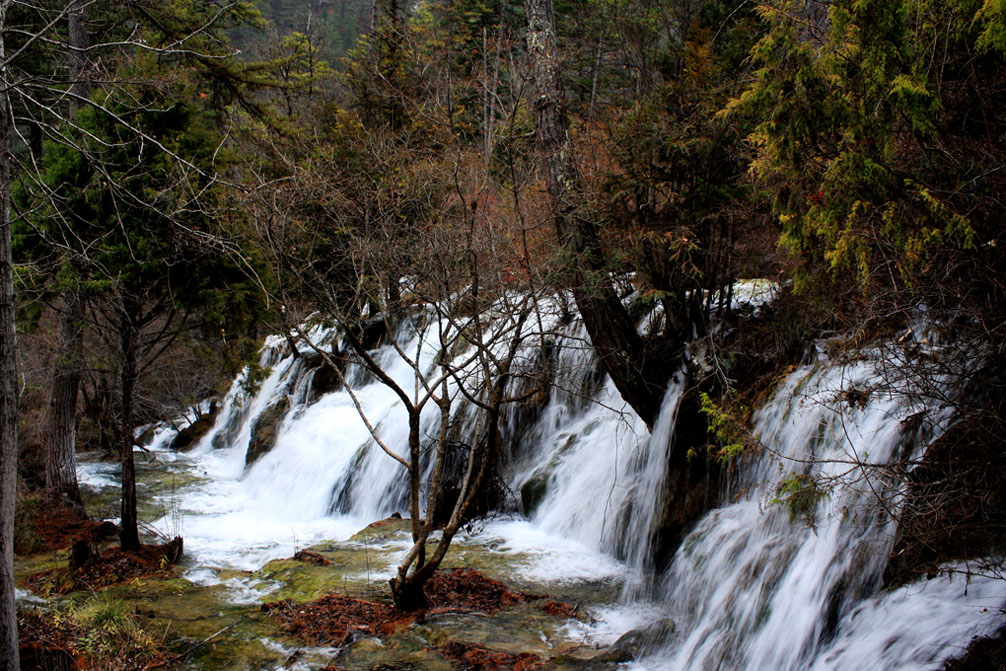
(601, 472)
(759, 584)
(786, 576)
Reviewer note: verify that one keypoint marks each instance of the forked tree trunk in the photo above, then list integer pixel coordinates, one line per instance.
(409, 590)
(8, 383)
(612, 332)
(61, 430)
(409, 593)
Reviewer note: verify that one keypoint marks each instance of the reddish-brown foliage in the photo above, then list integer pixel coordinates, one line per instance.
(466, 589)
(558, 609)
(44, 644)
(47, 644)
(112, 567)
(337, 620)
(474, 658)
(57, 526)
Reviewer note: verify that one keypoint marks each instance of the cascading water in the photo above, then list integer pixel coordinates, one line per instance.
(755, 585)
(325, 469)
(788, 576)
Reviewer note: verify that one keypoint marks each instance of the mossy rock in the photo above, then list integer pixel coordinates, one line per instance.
(383, 531)
(204, 624)
(573, 663)
(265, 429)
(400, 653)
(347, 574)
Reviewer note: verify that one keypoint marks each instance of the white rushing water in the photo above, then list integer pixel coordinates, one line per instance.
(755, 584)
(774, 581)
(325, 478)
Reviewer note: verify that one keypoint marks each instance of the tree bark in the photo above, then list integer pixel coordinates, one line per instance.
(61, 428)
(8, 382)
(80, 64)
(129, 538)
(61, 435)
(639, 379)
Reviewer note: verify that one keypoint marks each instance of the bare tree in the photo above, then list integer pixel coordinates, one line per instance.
(428, 248)
(9, 660)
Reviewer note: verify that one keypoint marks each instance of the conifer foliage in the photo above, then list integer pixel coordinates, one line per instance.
(175, 173)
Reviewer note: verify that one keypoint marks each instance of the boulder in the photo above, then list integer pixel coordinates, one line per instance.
(636, 642)
(533, 491)
(189, 437)
(265, 429)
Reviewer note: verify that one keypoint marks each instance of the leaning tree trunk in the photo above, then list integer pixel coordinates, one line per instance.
(61, 435)
(8, 383)
(129, 537)
(639, 379)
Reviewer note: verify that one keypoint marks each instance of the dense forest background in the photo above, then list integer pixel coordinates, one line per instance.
(182, 177)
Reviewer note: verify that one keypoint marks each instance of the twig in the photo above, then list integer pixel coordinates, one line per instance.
(206, 640)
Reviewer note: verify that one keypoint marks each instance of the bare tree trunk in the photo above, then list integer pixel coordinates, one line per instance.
(639, 381)
(80, 64)
(596, 70)
(61, 436)
(61, 429)
(129, 538)
(8, 384)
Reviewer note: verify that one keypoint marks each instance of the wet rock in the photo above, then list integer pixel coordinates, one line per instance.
(630, 646)
(400, 654)
(147, 437)
(955, 504)
(228, 433)
(265, 429)
(383, 531)
(189, 437)
(533, 492)
(325, 381)
(324, 378)
(634, 643)
(312, 557)
(342, 496)
(982, 654)
(691, 487)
